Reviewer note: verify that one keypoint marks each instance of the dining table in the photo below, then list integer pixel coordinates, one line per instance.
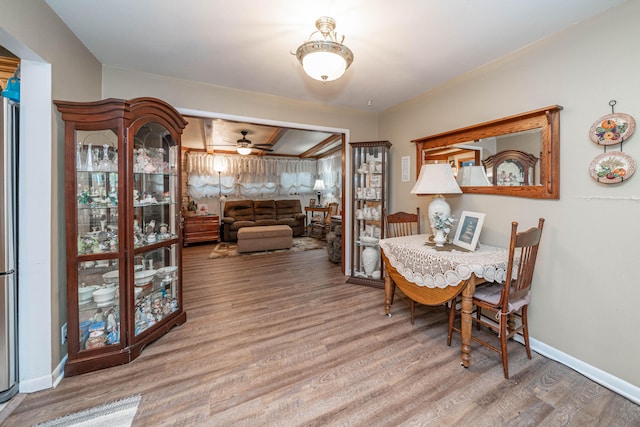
(433, 275)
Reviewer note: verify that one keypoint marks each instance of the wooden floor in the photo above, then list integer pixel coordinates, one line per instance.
(281, 340)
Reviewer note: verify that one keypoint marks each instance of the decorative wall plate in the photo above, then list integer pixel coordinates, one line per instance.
(612, 129)
(612, 167)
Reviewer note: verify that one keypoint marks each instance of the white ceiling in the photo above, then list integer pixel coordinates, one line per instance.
(402, 48)
(286, 142)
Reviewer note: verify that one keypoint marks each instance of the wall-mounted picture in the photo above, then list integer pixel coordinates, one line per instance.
(468, 231)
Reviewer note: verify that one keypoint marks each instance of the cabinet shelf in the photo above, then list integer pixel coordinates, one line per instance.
(124, 276)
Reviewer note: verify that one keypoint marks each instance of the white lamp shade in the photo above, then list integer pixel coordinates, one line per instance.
(219, 164)
(472, 176)
(324, 66)
(243, 150)
(436, 178)
(319, 185)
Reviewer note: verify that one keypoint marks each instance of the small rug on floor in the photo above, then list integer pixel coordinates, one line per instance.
(228, 249)
(119, 413)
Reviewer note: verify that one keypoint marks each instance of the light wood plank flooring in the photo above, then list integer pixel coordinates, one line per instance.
(281, 340)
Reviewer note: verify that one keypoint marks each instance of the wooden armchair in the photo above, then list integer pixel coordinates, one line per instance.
(403, 224)
(509, 301)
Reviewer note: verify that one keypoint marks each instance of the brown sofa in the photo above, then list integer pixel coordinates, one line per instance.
(253, 213)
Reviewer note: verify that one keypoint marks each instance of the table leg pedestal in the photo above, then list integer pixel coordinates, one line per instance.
(466, 320)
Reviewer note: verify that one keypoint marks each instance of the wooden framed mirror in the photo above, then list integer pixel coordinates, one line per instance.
(518, 155)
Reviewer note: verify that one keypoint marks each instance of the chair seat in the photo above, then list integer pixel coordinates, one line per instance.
(491, 294)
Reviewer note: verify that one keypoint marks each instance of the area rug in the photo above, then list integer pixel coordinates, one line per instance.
(119, 413)
(229, 249)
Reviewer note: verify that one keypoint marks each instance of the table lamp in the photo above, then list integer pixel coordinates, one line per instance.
(472, 176)
(436, 179)
(319, 186)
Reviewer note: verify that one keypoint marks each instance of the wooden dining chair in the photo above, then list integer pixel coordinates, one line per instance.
(510, 300)
(402, 224)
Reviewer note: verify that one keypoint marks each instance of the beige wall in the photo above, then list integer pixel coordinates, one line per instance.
(58, 66)
(120, 83)
(585, 290)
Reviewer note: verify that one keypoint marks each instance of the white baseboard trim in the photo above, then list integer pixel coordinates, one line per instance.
(615, 384)
(36, 384)
(46, 381)
(58, 373)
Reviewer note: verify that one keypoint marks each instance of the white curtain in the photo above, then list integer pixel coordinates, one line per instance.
(249, 176)
(330, 171)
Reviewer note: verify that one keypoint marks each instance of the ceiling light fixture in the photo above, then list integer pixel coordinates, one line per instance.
(243, 150)
(327, 59)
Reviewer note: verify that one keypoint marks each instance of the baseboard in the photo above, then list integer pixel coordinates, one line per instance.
(613, 383)
(58, 373)
(46, 381)
(36, 384)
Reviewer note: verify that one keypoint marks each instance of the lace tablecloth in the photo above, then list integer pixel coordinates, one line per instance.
(423, 265)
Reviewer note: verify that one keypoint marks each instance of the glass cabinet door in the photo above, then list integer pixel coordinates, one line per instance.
(98, 272)
(98, 304)
(155, 286)
(156, 227)
(155, 186)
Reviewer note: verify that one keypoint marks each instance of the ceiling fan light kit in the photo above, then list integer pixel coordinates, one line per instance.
(244, 145)
(327, 59)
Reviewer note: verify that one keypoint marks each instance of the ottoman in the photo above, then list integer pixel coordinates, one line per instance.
(264, 238)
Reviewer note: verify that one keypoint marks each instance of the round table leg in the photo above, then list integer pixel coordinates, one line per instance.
(466, 322)
(389, 289)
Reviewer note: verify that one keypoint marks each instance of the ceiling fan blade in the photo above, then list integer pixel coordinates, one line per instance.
(261, 149)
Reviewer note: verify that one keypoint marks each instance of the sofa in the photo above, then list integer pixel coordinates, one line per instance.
(255, 213)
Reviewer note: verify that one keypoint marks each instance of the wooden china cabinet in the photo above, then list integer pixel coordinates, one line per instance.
(124, 270)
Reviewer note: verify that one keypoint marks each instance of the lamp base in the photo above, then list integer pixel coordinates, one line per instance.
(438, 205)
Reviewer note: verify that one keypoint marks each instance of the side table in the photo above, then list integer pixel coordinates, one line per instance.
(201, 228)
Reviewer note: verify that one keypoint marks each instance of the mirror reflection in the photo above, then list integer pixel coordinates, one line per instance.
(505, 160)
(513, 156)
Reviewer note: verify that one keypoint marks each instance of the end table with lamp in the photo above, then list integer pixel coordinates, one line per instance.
(319, 187)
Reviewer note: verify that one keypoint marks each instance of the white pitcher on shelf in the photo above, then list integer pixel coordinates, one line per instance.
(372, 166)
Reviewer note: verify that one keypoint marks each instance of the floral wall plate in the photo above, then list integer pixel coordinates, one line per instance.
(612, 129)
(612, 167)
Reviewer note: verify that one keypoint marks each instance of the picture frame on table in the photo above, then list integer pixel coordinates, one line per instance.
(312, 203)
(469, 228)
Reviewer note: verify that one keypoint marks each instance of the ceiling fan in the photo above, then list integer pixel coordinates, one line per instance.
(244, 144)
